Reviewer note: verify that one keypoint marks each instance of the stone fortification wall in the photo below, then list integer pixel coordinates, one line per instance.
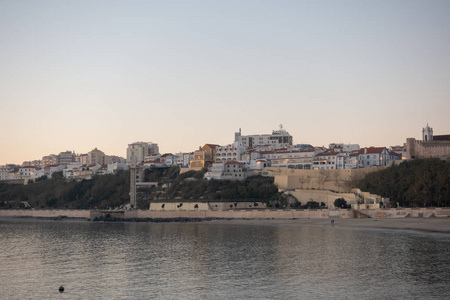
(171, 206)
(420, 149)
(326, 197)
(407, 213)
(243, 214)
(317, 179)
(45, 213)
(239, 214)
(203, 206)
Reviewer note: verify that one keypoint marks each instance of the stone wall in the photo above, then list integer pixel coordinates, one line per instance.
(317, 179)
(45, 213)
(239, 214)
(195, 206)
(420, 149)
(242, 214)
(407, 213)
(326, 197)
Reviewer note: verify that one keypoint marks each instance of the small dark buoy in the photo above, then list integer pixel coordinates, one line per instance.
(61, 289)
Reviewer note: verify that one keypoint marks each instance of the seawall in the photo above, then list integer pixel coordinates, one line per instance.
(46, 213)
(235, 214)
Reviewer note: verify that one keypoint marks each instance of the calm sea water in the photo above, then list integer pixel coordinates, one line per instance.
(218, 261)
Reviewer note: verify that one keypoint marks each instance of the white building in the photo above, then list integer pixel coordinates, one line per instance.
(110, 159)
(184, 159)
(231, 170)
(373, 156)
(51, 159)
(82, 158)
(50, 169)
(71, 170)
(291, 158)
(351, 160)
(232, 152)
(171, 160)
(215, 171)
(152, 164)
(65, 158)
(336, 147)
(326, 161)
(278, 139)
(234, 170)
(260, 164)
(136, 152)
(27, 172)
(30, 172)
(96, 157)
(117, 166)
(34, 163)
(7, 173)
(87, 171)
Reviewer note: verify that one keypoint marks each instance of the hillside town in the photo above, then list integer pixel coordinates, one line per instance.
(243, 157)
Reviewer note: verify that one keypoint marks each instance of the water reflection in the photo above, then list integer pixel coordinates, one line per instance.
(211, 260)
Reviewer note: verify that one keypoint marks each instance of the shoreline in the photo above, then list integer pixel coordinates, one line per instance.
(430, 225)
(424, 225)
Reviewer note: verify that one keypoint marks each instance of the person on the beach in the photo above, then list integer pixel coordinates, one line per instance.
(332, 223)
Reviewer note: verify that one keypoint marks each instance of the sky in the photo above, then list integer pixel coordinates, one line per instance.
(79, 75)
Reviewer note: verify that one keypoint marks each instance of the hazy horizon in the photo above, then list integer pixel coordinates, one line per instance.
(79, 75)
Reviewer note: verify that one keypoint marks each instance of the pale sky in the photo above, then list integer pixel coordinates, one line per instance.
(75, 75)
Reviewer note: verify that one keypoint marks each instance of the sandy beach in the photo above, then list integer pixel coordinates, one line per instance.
(436, 225)
(440, 225)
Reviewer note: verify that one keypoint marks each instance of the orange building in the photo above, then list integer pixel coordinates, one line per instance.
(204, 156)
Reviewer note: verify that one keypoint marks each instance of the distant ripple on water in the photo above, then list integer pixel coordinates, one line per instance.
(217, 261)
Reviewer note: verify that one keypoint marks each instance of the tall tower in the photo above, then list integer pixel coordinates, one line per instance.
(427, 134)
(237, 136)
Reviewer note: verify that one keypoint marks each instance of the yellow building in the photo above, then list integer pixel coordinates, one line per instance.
(204, 156)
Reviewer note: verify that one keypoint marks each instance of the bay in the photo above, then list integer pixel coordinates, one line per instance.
(218, 260)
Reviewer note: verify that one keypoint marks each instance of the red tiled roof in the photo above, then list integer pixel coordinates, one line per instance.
(212, 145)
(371, 150)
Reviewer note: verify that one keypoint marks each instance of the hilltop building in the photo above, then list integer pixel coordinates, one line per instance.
(136, 152)
(204, 156)
(437, 146)
(96, 157)
(65, 158)
(277, 140)
(232, 152)
(373, 157)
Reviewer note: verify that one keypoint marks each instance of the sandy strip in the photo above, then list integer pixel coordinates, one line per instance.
(441, 225)
(437, 225)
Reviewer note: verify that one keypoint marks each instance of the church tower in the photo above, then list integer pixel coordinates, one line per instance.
(427, 134)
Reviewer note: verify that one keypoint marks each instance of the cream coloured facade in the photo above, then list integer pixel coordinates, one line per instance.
(136, 152)
(277, 140)
(65, 158)
(96, 157)
(232, 152)
(294, 158)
